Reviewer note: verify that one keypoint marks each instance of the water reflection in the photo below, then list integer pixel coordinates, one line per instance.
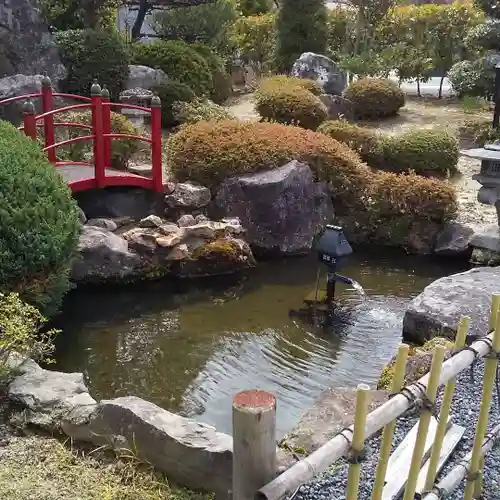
(190, 347)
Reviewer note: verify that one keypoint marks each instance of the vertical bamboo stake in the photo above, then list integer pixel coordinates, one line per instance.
(495, 307)
(385, 447)
(478, 487)
(445, 411)
(423, 426)
(490, 368)
(358, 439)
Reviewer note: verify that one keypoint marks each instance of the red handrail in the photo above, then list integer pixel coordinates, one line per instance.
(71, 96)
(129, 136)
(69, 162)
(62, 110)
(18, 98)
(126, 106)
(70, 141)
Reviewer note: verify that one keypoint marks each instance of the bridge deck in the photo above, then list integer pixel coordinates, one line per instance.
(74, 173)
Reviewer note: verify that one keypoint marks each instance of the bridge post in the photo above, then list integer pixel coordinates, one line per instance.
(97, 131)
(106, 125)
(48, 121)
(29, 120)
(156, 138)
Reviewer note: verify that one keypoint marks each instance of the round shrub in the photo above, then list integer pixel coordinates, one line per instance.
(93, 54)
(375, 98)
(171, 92)
(221, 81)
(121, 149)
(199, 110)
(179, 61)
(292, 105)
(284, 81)
(473, 78)
(39, 221)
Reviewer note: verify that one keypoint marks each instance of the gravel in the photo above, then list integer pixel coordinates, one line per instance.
(465, 410)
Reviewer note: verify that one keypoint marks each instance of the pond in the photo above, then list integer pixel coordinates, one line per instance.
(190, 346)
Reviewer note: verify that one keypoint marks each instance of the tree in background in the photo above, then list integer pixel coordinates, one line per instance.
(253, 7)
(301, 27)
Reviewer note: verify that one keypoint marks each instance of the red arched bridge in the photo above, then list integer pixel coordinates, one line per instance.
(81, 176)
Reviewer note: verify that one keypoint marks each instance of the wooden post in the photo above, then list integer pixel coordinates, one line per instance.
(48, 121)
(496, 112)
(156, 137)
(423, 426)
(97, 131)
(463, 328)
(106, 126)
(29, 120)
(490, 368)
(254, 442)
(358, 440)
(385, 447)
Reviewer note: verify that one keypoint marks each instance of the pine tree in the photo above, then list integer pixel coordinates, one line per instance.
(301, 27)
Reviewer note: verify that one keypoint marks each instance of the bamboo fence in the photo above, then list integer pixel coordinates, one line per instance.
(350, 442)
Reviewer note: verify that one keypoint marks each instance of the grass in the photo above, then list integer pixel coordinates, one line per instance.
(40, 468)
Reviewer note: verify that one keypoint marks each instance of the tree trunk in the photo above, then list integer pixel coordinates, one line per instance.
(139, 20)
(418, 87)
(440, 95)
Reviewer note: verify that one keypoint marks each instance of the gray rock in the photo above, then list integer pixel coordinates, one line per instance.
(200, 218)
(28, 47)
(334, 410)
(484, 257)
(13, 86)
(144, 77)
(454, 239)
(190, 453)
(338, 107)
(186, 220)
(322, 70)
(49, 396)
(186, 195)
(108, 224)
(76, 423)
(282, 209)
(104, 257)
(81, 216)
(151, 221)
(438, 309)
(487, 238)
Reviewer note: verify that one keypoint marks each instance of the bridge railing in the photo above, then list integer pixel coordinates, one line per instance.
(101, 134)
(254, 424)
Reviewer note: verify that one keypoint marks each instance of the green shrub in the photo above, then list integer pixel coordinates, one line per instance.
(253, 7)
(284, 81)
(39, 222)
(121, 150)
(294, 105)
(221, 81)
(427, 152)
(479, 131)
(254, 37)
(179, 61)
(374, 98)
(172, 92)
(208, 24)
(91, 54)
(473, 78)
(199, 110)
(20, 332)
(300, 27)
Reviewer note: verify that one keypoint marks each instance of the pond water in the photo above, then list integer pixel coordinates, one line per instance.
(190, 346)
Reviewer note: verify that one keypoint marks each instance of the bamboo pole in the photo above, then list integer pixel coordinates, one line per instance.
(478, 487)
(445, 411)
(385, 447)
(490, 369)
(358, 440)
(423, 425)
(316, 463)
(450, 482)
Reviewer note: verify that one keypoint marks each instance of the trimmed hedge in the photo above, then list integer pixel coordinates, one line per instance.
(479, 131)
(39, 221)
(294, 106)
(179, 61)
(426, 152)
(89, 54)
(374, 98)
(199, 110)
(171, 92)
(284, 81)
(380, 206)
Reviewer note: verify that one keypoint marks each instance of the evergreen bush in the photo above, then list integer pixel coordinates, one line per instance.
(374, 98)
(179, 61)
(171, 92)
(300, 27)
(288, 82)
(93, 54)
(39, 221)
(479, 131)
(199, 110)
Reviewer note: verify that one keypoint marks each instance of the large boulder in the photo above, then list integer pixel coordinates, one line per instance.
(436, 312)
(322, 70)
(14, 86)
(190, 453)
(454, 240)
(27, 46)
(282, 209)
(188, 196)
(144, 77)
